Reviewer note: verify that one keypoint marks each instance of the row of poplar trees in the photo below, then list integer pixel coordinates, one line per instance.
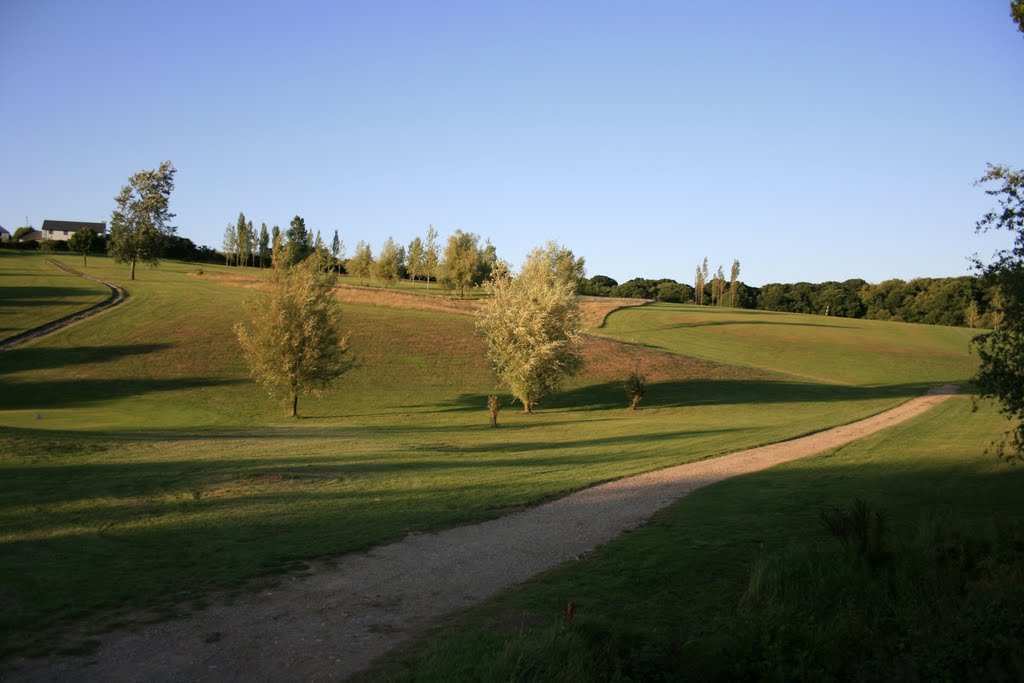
(718, 290)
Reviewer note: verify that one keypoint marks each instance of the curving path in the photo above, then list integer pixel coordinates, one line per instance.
(336, 621)
(117, 295)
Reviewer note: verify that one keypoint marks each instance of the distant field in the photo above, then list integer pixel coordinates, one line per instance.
(34, 292)
(819, 348)
(139, 465)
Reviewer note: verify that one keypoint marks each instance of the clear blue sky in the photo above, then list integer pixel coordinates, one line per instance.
(810, 140)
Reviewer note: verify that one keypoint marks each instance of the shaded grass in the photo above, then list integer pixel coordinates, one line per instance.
(739, 580)
(34, 292)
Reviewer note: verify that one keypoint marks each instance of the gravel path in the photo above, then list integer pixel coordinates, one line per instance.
(117, 295)
(337, 620)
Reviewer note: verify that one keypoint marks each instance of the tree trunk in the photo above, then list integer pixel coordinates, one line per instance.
(527, 407)
(295, 405)
(133, 267)
(84, 258)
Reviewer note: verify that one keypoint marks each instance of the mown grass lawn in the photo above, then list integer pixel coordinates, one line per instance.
(740, 581)
(139, 465)
(819, 348)
(34, 292)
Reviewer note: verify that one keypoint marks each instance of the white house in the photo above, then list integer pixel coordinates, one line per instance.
(4, 235)
(62, 230)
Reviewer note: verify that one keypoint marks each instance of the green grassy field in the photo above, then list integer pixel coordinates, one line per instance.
(33, 292)
(139, 466)
(739, 580)
(819, 348)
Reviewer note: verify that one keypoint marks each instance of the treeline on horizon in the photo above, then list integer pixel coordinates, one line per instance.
(964, 301)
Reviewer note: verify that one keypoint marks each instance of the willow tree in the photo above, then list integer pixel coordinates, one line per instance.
(532, 326)
(290, 339)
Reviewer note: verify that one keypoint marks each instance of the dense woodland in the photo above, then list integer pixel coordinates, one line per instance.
(959, 301)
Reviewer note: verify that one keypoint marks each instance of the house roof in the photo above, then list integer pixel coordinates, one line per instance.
(4, 230)
(74, 226)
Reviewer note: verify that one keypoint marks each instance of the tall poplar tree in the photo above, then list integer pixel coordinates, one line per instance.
(253, 238)
(703, 279)
(337, 248)
(299, 241)
(734, 276)
(430, 255)
(264, 244)
(414, 258)
(276, 247)
(244, 239)
(230, 243)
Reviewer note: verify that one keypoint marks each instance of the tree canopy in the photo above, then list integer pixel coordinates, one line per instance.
(1001, 374)
(532, 326)
(461, 261)
(81, 242)
(300, 243)
(140, 224)
(290, 339)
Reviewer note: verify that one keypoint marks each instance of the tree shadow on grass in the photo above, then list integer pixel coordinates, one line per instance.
(39, 296)
(107, 558)
(37, 358)
(725, 323)
(690, 393)
(76, 392)
(111, 479)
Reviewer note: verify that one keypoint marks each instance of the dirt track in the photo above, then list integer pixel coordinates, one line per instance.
(117, 295)
(336, 621)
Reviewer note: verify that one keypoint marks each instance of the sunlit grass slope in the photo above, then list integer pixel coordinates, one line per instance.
(34, 292)
(863, 352)
(739, 581)
(139, 464)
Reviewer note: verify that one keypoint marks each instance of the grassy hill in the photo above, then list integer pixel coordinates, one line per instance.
(819, 348)
(33, 292)
(139, 466)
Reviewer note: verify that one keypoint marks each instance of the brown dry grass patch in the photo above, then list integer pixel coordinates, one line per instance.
(608, 360)
(594, 309)
(374, 296)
